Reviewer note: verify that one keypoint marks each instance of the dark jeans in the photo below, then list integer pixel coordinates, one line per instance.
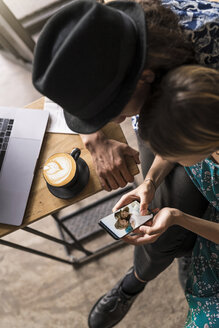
(178, 191)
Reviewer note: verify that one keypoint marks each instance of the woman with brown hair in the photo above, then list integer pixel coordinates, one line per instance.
(182, 127)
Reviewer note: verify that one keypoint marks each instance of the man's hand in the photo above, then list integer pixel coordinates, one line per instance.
(109, 160)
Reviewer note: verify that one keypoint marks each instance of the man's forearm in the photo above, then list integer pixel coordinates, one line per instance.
(90, 140)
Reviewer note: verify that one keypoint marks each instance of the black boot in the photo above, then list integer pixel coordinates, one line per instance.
(111, 308)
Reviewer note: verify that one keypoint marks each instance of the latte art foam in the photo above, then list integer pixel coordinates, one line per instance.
(59, 169)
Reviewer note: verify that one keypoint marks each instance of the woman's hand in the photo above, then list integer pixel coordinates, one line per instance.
(149, 234)
(164, 219)
(143, 193)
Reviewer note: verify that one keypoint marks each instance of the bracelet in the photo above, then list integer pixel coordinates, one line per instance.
(148, 179)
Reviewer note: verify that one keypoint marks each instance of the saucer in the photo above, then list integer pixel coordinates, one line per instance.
(72, 191)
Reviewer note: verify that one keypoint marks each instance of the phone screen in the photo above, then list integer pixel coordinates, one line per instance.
(125, 220)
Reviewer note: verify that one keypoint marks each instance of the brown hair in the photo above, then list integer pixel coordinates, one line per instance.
(183, 117)
(167, 44)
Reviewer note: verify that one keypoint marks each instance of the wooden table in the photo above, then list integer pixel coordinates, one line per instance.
(41, 202)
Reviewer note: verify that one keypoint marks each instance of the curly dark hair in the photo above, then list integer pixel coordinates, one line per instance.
(167, 43)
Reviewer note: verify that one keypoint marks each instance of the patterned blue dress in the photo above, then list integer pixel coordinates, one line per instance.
(202, 289)
(200, 20)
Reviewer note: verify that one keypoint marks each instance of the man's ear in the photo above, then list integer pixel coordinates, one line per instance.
(147, 76)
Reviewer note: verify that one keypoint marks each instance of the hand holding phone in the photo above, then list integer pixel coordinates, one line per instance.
(125, 220)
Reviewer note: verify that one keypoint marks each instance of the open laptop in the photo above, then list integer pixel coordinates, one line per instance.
(21, 137)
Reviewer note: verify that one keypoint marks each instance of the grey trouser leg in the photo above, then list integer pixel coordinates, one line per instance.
(176, 191)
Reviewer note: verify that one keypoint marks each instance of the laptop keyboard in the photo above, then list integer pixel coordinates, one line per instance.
(5, 132)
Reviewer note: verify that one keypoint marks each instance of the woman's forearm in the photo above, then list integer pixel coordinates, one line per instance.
(204, 228)
(159, 170)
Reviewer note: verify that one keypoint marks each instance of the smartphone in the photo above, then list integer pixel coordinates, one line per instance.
(125, 220)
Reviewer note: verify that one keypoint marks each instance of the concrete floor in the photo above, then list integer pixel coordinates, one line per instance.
(36, 292)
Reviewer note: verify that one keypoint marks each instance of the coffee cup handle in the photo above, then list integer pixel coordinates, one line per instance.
(76, 153)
